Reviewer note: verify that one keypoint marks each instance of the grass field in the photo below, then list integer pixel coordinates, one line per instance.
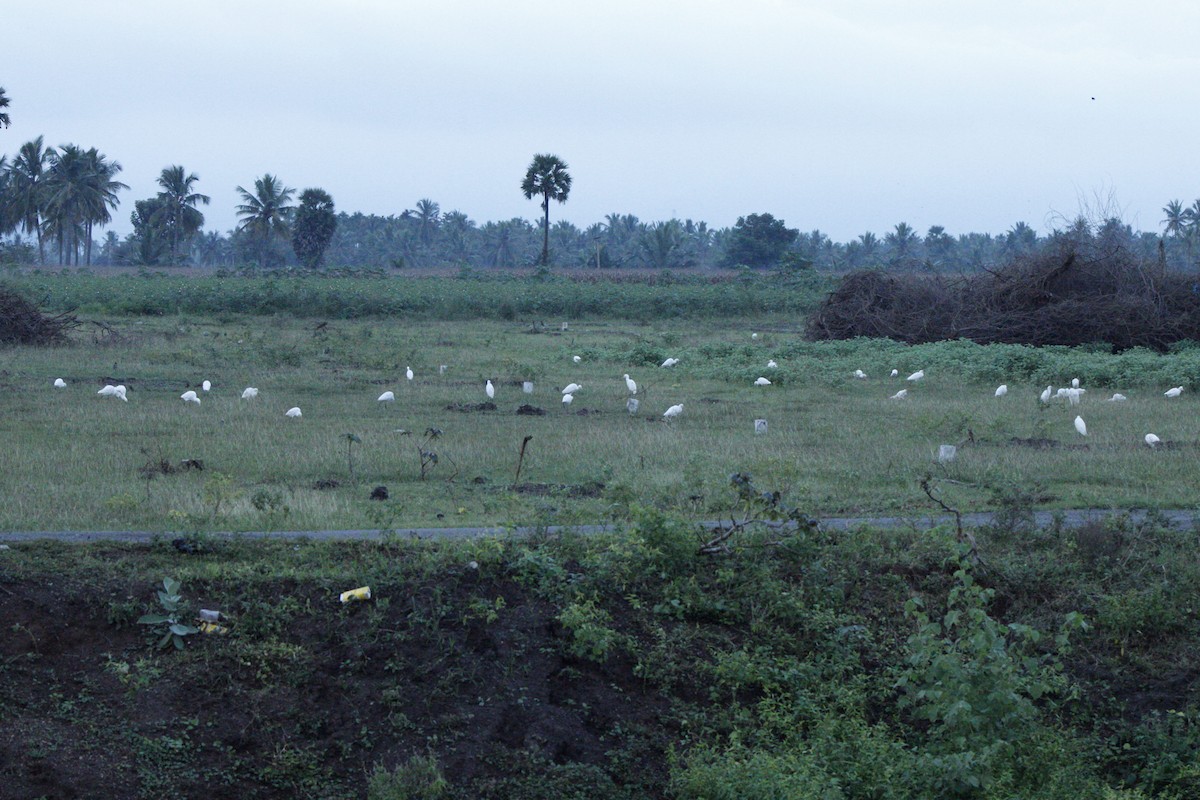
(834, 445)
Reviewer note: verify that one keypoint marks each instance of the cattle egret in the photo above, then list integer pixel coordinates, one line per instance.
(630, 384)
(1178, 390)
(249, 392)
(900, 395)
(568, 399)
(1074, 383)
(408, 373)
(631, 405)
(754, 336)
(916, 376)
(1152, 440)
(895, 373)
(771, 364)
(1118, 398)
(189, 397)
(119, 391)
(675, 411)
(762, 382)
(387, 397)
(206, 386)
(442, 369)
(576, 359)
(294, 411)
(670, 362)
(572, 388)
(858, 373)
(108, 390)
(1002, 390)
(59, 383)
(1045, 395)
(1081, 426)
(491, 390)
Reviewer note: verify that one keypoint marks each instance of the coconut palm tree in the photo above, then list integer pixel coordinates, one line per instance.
(265, 212)
(27, 190)
(101, 195)
(426, 215)
(179, 212)
(1176, 222)
(4, 120)
(547, 176)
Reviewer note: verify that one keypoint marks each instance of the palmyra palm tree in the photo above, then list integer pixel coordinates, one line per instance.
(179, 204)
(547, 176)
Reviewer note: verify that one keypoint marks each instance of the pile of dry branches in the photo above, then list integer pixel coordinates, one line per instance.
(1064, 295)
(22, 323)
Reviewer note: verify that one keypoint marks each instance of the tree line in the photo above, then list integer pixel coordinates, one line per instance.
(54, 200)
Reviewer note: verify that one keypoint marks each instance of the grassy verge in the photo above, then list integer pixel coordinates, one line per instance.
(863, 665)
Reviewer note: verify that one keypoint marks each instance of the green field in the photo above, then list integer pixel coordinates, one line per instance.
(835, 445)
(1055, 664)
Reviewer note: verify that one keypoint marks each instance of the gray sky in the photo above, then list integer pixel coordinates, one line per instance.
(844, 116)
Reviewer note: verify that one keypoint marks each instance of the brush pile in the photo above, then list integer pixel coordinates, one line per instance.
(22, 323)
(1065, 295)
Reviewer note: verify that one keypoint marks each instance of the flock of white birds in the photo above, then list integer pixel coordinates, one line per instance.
(1072, 394)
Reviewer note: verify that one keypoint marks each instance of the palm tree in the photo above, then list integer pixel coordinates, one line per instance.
(179, 205)
(101, 194)
(426, 215)
(1177, 219)
(547, 176)
(27, 190)
(901, 240)
(265, 213)
(4, 120)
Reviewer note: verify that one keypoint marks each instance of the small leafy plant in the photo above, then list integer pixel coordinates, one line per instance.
(171, 601)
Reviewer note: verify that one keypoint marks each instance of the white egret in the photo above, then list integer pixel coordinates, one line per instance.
(408, 373)
(59, 383)
(387, 397)
(294, 411)
(1117, 398)
(900, 395)
(771, 364)
(207, 385)
(576, 359)
(762, 382)
(189, 397)
(676, 410)
(1074, 383)
(1002, 390)
(572, 388)
(630, 384)
(119, 391)
(1081, 426)
(249, 392)
(568, 399)
(1178, 390)
(1152, 440)
(895, 373)
(916, 376)
(754, 336)
(670, 362)
(858, 373)
(491, 390)
(1045, 395)
(108, 390)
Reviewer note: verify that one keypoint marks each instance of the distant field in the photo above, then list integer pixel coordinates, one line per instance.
(834, 445)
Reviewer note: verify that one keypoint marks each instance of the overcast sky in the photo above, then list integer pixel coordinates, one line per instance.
(841, 115)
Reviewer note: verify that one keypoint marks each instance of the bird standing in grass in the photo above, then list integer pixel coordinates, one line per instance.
(1178, 390)
(630, 384)
(916, 376)
(1002, 390)
(249, 392)
(387, 397)
(1081, 426)
(1152, 440)
(900, 395)
(572, 388)
(408, 373)
(762, 382)
(491, 390)
(206, 386)
(189, 397)
(567, 400)
(670, 362)
(674, 411)
(294, 412)
(59, 383)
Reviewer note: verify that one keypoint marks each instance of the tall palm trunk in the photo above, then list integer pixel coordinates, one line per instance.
(546, 230)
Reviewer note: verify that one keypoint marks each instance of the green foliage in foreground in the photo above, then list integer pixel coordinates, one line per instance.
(864, 664)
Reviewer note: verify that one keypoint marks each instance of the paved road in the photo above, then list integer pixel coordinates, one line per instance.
(1180, 519)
